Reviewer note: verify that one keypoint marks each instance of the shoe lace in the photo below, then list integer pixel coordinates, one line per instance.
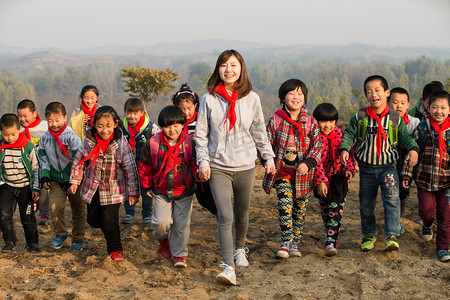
(242, 253)
(224, 265)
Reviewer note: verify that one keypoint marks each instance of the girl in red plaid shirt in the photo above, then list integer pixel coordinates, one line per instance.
(106, 169)
(294, 137)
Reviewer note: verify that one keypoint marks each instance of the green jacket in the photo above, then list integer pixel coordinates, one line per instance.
(418, 111)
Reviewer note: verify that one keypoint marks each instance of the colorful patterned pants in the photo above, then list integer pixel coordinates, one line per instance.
(291, 212)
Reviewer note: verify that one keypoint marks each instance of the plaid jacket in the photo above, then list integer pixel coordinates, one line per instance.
(425, 173)
(279, 138)
(114, 173)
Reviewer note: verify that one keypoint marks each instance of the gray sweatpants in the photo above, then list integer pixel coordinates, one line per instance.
(172, 219)
(222, 182)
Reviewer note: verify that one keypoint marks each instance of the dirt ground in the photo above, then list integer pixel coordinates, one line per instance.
(413, 272)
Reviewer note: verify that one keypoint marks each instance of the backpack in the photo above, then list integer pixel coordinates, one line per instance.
(394, 122)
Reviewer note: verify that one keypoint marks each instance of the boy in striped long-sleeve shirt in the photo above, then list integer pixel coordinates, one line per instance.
(376, 130)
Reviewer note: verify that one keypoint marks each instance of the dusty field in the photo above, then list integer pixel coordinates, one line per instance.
(413, 272)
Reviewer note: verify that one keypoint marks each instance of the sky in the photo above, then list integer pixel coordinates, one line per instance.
(84, 24)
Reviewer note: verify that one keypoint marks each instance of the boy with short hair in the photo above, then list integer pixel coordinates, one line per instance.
(34, 128)
(138, 129)
(377, 130)
(432, 173)
(399, 101)
(57, 149)
(420, 110)
(19, 183)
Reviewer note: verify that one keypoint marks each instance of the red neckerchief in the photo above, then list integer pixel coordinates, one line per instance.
(406, 118)
(102, 145)
(55, 135)
(231, 114)
(169, 155)
(34, 124)
(21, 142)
(91, 113)
(192, 119)
(134, 131)
(380, 132)
(330, 136)
(439, 129)
(283, 114)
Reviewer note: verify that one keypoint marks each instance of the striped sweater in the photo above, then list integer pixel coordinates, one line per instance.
(366, 151)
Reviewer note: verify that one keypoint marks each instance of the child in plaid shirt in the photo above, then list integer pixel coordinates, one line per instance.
(106, 169)
(295, 141)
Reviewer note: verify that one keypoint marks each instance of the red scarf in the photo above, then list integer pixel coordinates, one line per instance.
(102, 145)
(21, 142)
(439, 129)
(231, 114)
(169, 155)
(55, 135)
(91, 113)
(330, 136)
(134, 131)
(406, 118)
(192, 119)
(34, 124)
(380, 132)
(283, 114)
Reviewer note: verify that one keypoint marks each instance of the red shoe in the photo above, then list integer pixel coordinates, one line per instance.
(116, 256)
(179, 262)
(164, 249)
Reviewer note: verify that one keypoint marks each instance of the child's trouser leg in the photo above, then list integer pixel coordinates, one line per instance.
(110, 224)
(147, 204)
(298, 217)
(44, 203)
(285, 207)
(27, 217)
(180, 229)
(129, 209)
(58, 200)
(368, 189)
(162, 217)
(8, 205)
(78, 207)
(337, 192)
(94, 211)
(388, 181)
(443, 219)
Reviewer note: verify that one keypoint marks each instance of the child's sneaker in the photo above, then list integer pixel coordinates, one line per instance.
(179, 262)
(147, 220)
(8, 247)
(391, 243)
(285, 249)
(443, 255)
(76, 245)
(330, 250)
(128, 219)
(240, 256)
(367, 243)
(116, 255)
(228, 275)
(295, 251)
(58, 241)
(427, 233)
(32, 247)
(44, 220)
(402, 229)
(164, 249)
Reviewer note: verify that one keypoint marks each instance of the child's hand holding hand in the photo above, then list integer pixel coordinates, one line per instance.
(344, 157)
(349, 175)
(412, 158)
(46, 186)
(150, 193)
(322, 190)
(270, 169)
(35, 196)
(302, 168)
(204, 173)
(405, 183)
(133, 200)
(73, 189)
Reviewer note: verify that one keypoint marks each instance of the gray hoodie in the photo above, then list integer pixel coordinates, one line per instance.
(234, 150)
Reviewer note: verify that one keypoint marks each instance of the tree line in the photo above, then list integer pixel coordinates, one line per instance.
(338, 81)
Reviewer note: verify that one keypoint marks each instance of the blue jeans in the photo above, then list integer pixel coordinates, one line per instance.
(387, 178)
(147, 205)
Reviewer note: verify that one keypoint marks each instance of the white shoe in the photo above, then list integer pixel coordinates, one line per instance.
(228, 276)
(240, 257)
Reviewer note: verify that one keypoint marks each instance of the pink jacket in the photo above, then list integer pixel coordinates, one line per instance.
(325, 168)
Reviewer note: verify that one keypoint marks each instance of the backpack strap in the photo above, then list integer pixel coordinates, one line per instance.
(394, 122)
(363, 121)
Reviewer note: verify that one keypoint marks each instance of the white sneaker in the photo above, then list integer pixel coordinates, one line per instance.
(285, 249)
(228, 276)
(240, 257)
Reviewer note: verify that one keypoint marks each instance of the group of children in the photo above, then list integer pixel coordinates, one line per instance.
(209, 148)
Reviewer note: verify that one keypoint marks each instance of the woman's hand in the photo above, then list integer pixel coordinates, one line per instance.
(204, 173)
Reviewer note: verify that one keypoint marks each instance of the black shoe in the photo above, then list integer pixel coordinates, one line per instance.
(9, 246)
(32, 247)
